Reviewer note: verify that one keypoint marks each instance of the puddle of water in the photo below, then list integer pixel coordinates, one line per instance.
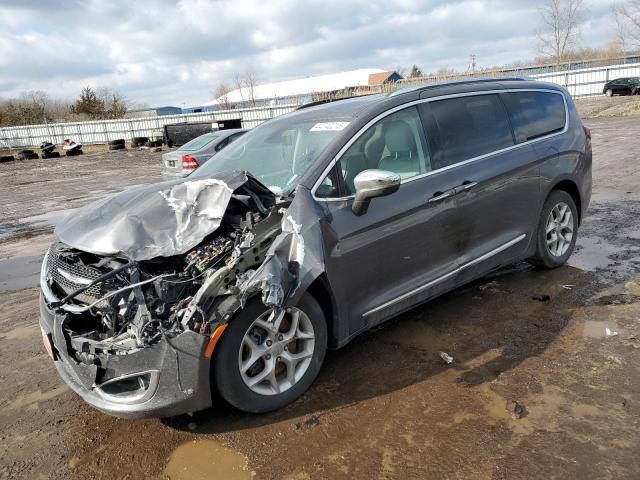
(206, 459)
(52, 218)
(594, 253)
(19, 273)
(44, 221)
(597, 329)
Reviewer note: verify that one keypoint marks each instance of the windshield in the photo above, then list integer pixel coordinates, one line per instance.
(199, 142)
(278, 152)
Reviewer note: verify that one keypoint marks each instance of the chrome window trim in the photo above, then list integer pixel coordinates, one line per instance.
(360, 132)
(453, 272)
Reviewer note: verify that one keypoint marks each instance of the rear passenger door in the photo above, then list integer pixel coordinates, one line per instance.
(496, 182)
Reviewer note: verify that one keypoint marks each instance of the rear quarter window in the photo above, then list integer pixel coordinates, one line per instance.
(535, 114)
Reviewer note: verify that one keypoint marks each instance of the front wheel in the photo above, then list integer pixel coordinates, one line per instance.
(609, 92)
(266, 361)
(557, 231)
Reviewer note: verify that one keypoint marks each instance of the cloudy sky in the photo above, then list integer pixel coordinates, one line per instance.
(175, 52)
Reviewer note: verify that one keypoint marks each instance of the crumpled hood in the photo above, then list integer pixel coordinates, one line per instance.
(157, 220)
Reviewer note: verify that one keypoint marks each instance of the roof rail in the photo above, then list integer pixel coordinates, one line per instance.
(331, 100)
(424, 86)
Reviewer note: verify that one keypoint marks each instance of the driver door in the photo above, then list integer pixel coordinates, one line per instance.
(403, 240)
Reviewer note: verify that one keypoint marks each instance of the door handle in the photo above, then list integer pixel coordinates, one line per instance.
(439, 196)
(466, 186)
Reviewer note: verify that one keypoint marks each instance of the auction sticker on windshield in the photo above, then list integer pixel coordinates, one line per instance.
(329, 127)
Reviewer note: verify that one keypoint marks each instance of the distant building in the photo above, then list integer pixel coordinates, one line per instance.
(300, 90)
(384, 77)
(153, 112)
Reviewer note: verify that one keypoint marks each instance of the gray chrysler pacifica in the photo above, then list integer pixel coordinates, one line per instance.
(302, 234)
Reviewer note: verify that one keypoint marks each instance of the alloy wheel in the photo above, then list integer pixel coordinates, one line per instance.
(559, 229)
(276, 351)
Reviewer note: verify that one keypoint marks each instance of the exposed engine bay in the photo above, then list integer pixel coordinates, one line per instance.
(117, 306)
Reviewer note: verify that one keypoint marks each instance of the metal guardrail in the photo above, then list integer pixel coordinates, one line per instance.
(579, 82)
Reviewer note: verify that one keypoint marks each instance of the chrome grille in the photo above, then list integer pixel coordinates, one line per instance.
(58, 263)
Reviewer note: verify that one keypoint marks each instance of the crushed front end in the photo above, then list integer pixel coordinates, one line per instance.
(131, 334)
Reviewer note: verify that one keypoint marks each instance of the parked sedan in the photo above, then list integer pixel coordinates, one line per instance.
(191, 155)
(315, 227)
(622, 86)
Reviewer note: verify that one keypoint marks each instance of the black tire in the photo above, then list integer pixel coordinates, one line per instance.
(25, 155)
(116, 147)
(73, 153)
(7, 158)
(138, 141)
(119, 141)
(50, 154)
(226, 375)
(543, 258)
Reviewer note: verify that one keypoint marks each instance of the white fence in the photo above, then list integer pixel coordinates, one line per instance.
(582, 82)
(101, 131)
(589, 81)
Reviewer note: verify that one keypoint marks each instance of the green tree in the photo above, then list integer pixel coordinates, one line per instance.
(415, 72)
(89, 104)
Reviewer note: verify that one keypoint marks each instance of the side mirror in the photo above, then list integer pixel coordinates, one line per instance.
(371, 184)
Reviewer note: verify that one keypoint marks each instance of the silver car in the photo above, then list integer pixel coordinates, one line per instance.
(194, 153)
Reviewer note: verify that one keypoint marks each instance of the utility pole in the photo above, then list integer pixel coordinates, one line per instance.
(472, 63)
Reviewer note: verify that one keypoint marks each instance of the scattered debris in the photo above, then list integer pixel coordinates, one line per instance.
(617, 299)
(610, 333)
(71, 148)
(312, 421)
(446, 357)
(491, 286)
(568, 287)
(614, 359)
(517, 410)
(541, 297)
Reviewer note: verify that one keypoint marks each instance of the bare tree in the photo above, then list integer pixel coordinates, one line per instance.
(561, 23)
(627, 16)
(251, 82)
(246, 85)
(221, 93)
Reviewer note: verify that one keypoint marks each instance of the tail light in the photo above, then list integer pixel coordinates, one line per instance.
(587, 132)
(189, 163)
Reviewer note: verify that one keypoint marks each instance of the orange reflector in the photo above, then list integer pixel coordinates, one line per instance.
(215, 336)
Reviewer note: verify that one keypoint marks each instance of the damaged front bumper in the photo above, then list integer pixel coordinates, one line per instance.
(159, 381)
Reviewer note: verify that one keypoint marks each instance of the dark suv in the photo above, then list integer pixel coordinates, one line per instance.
(305, 232)
(622, 86)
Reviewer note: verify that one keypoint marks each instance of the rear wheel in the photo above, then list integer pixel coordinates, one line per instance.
(263, 361)
(557, 231)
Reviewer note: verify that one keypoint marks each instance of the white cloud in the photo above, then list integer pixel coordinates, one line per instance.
(175, 52)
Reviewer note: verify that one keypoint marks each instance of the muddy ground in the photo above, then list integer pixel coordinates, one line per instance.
(537, 388)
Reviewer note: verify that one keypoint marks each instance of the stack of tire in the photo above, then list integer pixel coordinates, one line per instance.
(27, 155)
(48, 150)
(139, 141)
(116, 144)
(7, 158)
(145, 142)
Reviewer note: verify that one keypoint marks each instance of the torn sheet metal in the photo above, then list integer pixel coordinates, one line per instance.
(295, 258)
(158, 220)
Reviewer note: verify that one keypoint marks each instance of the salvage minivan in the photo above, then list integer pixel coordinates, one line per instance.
(304, 233)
